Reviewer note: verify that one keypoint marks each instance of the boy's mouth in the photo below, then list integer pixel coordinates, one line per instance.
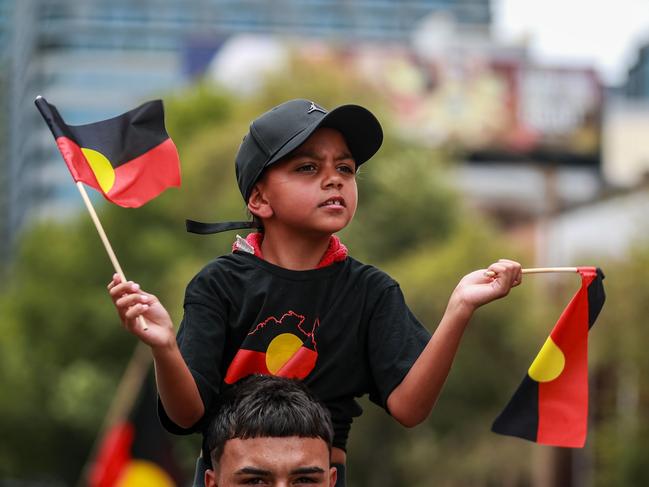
(335, 201)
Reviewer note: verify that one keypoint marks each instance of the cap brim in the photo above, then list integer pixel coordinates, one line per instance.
(360, 128)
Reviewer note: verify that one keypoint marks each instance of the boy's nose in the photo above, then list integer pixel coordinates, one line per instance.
(332, 178)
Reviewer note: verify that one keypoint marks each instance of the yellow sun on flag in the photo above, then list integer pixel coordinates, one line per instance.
(548, 364)
(101, 167)
(141, 473)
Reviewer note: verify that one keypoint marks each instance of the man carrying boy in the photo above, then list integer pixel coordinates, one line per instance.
(289, 301)
(269, 431)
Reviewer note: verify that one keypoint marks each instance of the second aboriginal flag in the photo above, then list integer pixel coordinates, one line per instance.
(130, 158)
(136, 451)
(551, 404)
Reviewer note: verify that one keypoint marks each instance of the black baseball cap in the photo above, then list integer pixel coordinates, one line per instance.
(276, 133)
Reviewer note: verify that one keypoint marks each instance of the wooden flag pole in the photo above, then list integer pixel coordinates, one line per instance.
(538, 270)
(109, 249)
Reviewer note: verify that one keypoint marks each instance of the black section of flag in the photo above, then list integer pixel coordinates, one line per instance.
(521, 415)
(138, 131)
(596, 298)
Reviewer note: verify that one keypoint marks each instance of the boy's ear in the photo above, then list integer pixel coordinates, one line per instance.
(258, 204)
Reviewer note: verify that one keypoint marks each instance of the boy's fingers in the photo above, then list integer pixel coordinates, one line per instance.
(123, 288)
(132, 299)
(496, 269)
(506, 268)
(134, 311)
(114, 281)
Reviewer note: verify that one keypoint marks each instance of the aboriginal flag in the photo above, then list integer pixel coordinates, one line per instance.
(283, 346)
(551, 404)
(130, 158)
(137, 452)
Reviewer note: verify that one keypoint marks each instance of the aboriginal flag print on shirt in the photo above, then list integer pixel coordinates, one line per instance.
(551, 404)
(277, 346)
(130, 158)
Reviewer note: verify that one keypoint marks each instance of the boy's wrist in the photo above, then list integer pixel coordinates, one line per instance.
(460, 307)
(166, 349)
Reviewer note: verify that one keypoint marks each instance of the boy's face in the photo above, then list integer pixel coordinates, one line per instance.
(272, 461)
(312, 190)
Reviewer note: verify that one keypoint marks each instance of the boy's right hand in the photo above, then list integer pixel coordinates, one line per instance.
(131, 302)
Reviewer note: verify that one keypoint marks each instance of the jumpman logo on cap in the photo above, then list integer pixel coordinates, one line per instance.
(315, 107)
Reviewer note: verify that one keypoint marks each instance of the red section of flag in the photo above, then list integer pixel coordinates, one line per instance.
(143, 178)
(563, 402)
(245, 363)
(299, 365)
(76, 162)
(136, 181)
(113, 456)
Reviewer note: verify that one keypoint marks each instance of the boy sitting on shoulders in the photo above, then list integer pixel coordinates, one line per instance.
(289, 300)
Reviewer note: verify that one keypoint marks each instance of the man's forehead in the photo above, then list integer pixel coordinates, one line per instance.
(268, 451)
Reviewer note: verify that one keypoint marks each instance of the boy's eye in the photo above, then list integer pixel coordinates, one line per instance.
(347, 169)
(306, 168)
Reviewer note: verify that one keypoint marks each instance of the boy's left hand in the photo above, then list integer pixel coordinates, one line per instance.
(478, 288)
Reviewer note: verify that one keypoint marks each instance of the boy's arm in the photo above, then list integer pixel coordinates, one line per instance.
(412, 400)
(176, 385)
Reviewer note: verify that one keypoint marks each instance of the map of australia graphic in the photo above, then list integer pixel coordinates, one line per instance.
(283, 347)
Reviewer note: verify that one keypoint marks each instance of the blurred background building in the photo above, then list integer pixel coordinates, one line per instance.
(526, 131)
(637, 85)
(98, 58)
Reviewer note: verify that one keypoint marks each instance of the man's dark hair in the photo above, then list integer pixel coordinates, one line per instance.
(262, 406)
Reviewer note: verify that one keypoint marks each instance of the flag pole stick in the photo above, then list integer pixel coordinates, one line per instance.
(538, 270)
(109, 249)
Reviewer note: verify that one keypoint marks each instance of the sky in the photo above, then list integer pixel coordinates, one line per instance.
(604, 34)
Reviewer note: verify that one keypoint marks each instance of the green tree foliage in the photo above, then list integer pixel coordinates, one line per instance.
(619, 447)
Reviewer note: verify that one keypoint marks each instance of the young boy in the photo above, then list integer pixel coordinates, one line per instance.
(289, 301)
(269, 431)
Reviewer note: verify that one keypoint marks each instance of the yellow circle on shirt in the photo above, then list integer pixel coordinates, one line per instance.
(280, 350)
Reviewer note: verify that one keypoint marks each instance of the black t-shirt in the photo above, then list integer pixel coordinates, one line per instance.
(344, 329)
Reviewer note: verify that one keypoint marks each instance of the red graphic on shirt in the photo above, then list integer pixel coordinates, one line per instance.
(281, 347)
